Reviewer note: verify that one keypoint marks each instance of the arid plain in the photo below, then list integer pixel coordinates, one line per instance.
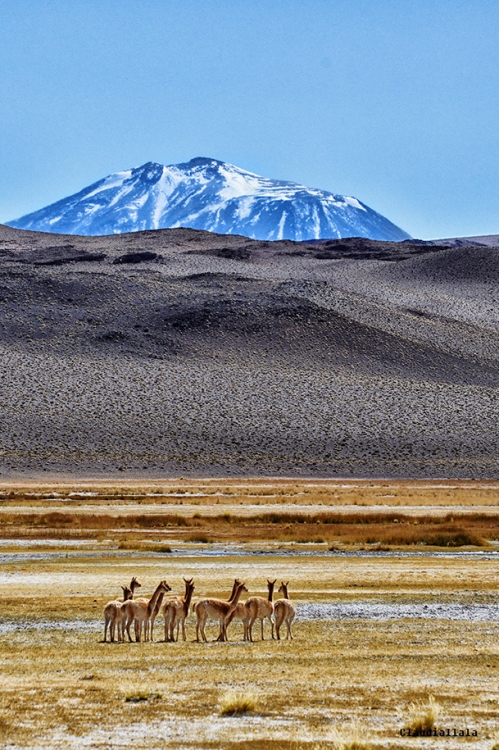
(385, 619)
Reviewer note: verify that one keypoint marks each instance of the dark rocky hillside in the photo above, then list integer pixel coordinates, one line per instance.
(184, 352)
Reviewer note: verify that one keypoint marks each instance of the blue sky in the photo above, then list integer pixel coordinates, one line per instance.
(394, 102)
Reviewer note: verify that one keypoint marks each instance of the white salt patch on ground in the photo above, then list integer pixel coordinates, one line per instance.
(363, 610)
(23, 557)
(213, 728)
(379, 611)
(78, 626)
(175, 729)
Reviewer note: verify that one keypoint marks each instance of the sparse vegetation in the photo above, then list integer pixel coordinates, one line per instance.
(140, 546)
(237, 703)
(385, 529)
(423, 715)
(350, 737)
(199, 539)
(138, 693)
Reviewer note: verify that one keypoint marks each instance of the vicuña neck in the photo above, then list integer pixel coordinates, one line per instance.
(154, 597)
(187, 600)
(271, 591)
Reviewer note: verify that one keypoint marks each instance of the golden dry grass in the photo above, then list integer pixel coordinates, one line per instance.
(134, 693)
(331, 673)
(350, 737)
(431, 514)
(424, 715)
(60, 686)
(235, 703)
(202, 492)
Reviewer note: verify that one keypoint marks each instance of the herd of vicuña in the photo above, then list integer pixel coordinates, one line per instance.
(121, 614)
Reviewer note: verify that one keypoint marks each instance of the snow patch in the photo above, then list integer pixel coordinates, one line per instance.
(245, 207)
(353, 202)
(280, 231)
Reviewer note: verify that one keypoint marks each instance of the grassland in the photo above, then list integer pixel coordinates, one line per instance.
(388, 513)
(378, 647)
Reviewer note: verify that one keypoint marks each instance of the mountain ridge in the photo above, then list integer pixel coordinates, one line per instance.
(212, 195)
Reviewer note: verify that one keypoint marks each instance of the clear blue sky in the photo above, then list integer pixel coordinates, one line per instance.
(394, 102)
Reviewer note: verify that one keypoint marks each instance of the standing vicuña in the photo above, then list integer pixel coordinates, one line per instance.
(176, 610)
(154, 613)
(260, 608)
(239, 613)
(284, 611)
(139, 612)
(217, 610)
(113, 611)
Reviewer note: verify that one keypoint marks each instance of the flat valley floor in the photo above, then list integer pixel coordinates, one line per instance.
(385, 621)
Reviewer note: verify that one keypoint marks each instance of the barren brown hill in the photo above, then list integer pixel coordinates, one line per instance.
(184, 352)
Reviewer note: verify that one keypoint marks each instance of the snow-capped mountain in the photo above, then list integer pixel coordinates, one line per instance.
(211, 195)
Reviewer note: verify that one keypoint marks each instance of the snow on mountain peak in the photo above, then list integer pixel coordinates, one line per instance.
(209, 194)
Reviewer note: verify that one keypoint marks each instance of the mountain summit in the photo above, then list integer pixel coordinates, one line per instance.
(212, 195)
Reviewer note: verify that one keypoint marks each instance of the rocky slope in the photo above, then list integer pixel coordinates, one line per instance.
(183, 352)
